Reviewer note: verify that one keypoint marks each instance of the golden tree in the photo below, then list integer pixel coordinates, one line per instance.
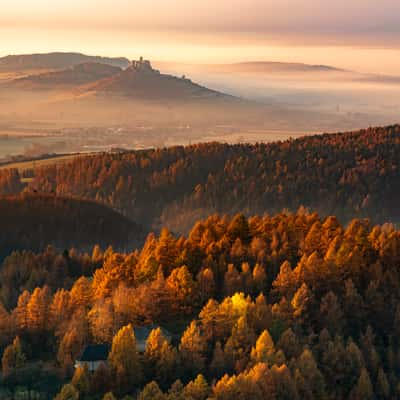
(124, 359)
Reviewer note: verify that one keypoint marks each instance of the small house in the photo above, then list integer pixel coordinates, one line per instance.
(94, 355)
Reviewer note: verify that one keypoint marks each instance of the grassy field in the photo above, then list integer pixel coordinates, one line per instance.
(25, 165)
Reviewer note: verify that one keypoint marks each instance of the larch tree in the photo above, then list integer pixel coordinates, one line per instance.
(70, 346)
(38, 310)
(101, 319)
(238, 346)
(264, 350)
(109, 396)
(124, 359)
(13, 357)
(313, 379)
(198, 389)
(218, 363)
(175, 392)
(81, 292)
(166, 251)
(160, 357)
(20, 312)
(192, 350)
(182, 289)
(331, 313)
(206, 284)
(301, 303)
(363, 389)
(81, 380)
(151, 392)
(289, 343)
(284, 284)
(68, 392)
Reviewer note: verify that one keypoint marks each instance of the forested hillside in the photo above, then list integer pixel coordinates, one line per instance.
(33, 221)
(349, 175)
(260, 303)
(289, 306)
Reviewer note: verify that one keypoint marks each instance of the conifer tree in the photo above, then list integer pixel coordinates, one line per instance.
(124, 359)
(160, 357)
(151, 392)
(176, 391)
(217, 366)
(363, 389)
(197, 389)
(289, 343)
(182, 290)
(331, 313)
(264, 350)
(301, 303)
(192, 350)
(13, 357)
(109, 396)
(21, 312)
(81, 292)
(68, 392)
(100, 381)
(238, 347)
(312, 378)
(284, 284)
(81, 380)
(166, 251)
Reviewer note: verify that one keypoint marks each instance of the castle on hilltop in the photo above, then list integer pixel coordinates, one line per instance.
(143, 66)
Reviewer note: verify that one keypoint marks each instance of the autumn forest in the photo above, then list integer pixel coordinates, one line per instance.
(205, 272)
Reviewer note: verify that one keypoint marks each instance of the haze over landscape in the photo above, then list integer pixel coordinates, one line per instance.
(199, 200)
(257, 51)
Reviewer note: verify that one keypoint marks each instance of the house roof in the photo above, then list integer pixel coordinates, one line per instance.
(95, 352)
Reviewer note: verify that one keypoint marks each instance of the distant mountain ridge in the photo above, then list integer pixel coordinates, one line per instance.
(267, 66)
(250, 67)
(56, 60)
(76, 75)
(141, 81)
(136, 80)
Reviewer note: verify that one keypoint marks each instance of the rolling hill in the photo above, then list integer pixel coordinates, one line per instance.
(270, 66)
(354, 174)
(73, 76)
(52, 61)
(32, 221)
(141, 82)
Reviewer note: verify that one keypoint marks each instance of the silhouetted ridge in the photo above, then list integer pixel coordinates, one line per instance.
(32, 221)
(57, 60)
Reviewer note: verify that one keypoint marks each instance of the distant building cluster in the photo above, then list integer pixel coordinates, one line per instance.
(142, 65)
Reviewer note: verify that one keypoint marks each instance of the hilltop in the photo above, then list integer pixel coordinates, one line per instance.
(141, 81)
(33, 221)
(56, 60)
(72, 76)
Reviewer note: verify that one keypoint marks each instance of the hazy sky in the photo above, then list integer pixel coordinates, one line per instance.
(360, 34)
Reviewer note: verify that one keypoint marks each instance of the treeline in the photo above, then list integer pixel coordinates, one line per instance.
(350, 175)
(26, 270)
(32, 221)
(290, 306)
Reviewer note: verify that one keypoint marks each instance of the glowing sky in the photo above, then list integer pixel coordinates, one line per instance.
(358, 34)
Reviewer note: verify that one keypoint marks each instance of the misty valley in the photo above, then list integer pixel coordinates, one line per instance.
(182, 231)
(68, 103)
